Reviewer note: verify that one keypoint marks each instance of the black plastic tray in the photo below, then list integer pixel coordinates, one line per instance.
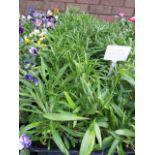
(127, 152)
(41, 151)
(38, 151)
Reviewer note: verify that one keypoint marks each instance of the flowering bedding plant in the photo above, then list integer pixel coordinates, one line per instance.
(32, 30)
(67, 97)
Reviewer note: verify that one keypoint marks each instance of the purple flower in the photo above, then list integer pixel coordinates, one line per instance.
(35, 81)
(33, 51)
(28, 77)
(21, 29)
(50, 24)
(37, 14)
(33, 20)
(27, 61)
(38, 22)
(24, 142)
(49, 17)
(43, 19)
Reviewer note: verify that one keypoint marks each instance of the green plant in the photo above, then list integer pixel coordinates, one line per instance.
(76, 102)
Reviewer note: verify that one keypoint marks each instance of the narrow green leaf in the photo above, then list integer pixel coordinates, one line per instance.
(88, 142)
(66, 142)
(69, 100)
(63, 116)
(43, 69)
(127, 76)
(42, 94)
(37, 99)
(120, 150)
(105, 143)
(27, 106)
(118, 110)
(116, 136)
(30, 110)
(98, 133)
(60, 73)
(103, 124)
(74, 124)
(29, 127)
(72, 132)
(125, 132)
(57, 139)
(113, 147)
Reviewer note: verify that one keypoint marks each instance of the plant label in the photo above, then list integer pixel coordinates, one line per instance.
(117, 53)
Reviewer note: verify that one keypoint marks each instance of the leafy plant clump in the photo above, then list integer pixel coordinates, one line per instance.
(67, 98)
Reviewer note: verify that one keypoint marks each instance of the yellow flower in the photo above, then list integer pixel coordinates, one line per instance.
(42, 35)
(27, 40)
(42, 38)
(40, 44)
(56, 11)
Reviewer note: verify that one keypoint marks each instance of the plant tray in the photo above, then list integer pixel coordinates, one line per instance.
(39, 151)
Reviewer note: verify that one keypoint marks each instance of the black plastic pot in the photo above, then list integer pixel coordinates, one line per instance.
(127, 152)
(39, 151)
(43, 151)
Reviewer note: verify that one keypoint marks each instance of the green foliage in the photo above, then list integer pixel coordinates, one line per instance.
(57, 139)
(76, 102)
(25, 152)
(88, 141)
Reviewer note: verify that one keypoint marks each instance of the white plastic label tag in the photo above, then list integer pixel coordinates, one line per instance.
(117, 53)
